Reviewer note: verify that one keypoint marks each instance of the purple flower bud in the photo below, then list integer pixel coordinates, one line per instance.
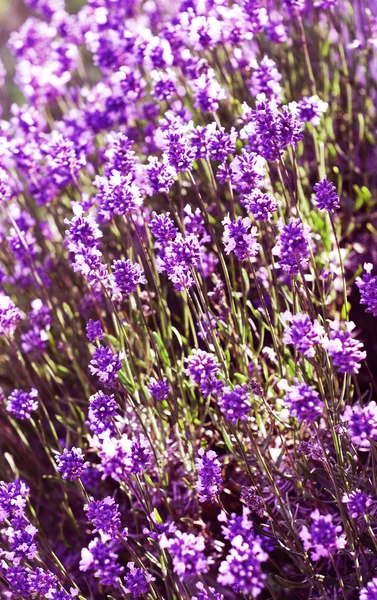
(303, 402)
(136, 581)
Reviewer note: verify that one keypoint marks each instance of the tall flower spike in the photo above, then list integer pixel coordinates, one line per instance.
(326, 197)
(292, 247)
(368, 289)
(240, 237)
(209, 475)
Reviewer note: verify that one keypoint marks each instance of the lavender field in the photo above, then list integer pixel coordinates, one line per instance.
(188, 303)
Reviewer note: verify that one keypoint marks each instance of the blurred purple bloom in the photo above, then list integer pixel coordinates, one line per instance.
(310, 110)
(203, 594)
(358, 503)
(368, 289)
(9, 316)
(187, 552)
(370, 591)
(265, 78)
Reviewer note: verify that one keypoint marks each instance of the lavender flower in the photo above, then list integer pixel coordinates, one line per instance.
(137, 581)
(311, 109)
(100, 557)
(209, 475)
(127, 276)
(242, 567)
(202, 593)
(71, 463)
(265, 79)
(303, 402)
(344, 350)
(302, 333)
(239, 239)
(118, 194)
(105, 365)
(362, 424)
(94, 331)
(102, 409)
(247, 171)
(22, 404)
(260, 205)
(323, 536)
(292, 247)
(9, 316)
(201, 367)
(357, 503)
(160, 175)
(370, 591)
(104, 514)
(187, 552)
(163, 228)
(368, 289)
(159, 389)
(326, 197)
(235, 403)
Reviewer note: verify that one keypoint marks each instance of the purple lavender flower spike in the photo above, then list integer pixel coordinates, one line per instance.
(71, 463)
(323, 536)
(209, 475)
(22, 404)
(368, 289)
(326, 197)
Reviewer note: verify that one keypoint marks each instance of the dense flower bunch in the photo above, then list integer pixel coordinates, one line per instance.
(187, 197)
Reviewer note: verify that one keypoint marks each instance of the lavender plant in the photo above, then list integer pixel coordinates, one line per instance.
(187, 306)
